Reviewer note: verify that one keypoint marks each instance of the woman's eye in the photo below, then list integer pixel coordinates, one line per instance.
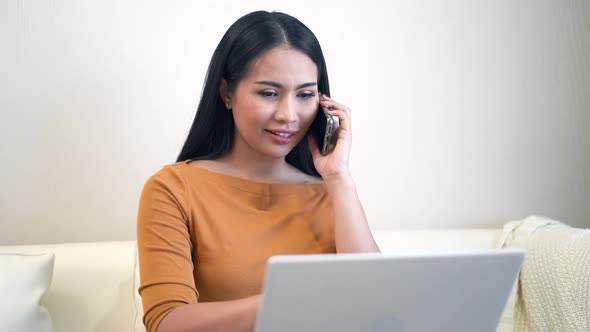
(307, 95)
(268, 93)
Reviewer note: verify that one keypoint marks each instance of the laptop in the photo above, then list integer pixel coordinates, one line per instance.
(390, 292)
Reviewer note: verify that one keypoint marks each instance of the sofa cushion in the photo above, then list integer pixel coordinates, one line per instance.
(138, 303)
(24, 280)
(92, 288)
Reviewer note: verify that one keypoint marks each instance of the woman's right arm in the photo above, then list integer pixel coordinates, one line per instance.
(236, 315)
(166, 249)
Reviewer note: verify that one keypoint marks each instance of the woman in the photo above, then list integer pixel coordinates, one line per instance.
(249, 183)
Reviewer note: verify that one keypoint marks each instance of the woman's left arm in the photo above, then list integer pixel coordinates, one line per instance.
(353, 234)
(351, 227)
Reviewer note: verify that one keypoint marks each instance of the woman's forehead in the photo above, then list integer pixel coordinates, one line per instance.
(283, 65)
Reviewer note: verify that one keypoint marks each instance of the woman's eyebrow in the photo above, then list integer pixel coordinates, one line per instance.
(279, 85)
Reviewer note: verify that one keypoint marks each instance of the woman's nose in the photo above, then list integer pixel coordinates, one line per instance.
(286, 111)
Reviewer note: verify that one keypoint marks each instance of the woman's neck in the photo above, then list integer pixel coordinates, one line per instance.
(263, 169)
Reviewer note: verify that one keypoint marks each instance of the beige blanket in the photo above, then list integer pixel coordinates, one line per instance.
(553, 290)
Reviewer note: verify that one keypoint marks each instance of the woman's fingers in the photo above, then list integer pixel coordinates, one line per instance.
(343, 117)
(335, 108)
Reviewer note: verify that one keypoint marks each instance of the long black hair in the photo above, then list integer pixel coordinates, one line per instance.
(212, 131)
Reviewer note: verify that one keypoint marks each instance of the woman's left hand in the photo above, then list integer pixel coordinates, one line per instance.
(334, 164)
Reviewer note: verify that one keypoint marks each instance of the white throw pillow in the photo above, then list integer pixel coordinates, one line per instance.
(24, 279)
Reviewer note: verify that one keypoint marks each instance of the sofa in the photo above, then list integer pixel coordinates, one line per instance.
(94, 285)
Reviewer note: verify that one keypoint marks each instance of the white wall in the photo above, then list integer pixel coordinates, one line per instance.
(466, 113)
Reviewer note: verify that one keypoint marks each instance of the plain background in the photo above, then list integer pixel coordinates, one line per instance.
(466, 113)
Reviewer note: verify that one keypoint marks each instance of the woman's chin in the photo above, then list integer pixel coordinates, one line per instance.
(278, 152)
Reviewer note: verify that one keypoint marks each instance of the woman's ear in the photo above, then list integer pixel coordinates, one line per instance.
(224, 93)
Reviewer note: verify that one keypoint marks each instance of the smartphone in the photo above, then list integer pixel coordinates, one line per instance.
(323, 129)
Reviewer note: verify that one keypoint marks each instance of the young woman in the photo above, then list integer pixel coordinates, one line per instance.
(249, 183)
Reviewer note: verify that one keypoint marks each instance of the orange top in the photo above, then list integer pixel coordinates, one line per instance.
(205, 236)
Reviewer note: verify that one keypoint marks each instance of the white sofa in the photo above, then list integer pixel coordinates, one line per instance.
(94, 286)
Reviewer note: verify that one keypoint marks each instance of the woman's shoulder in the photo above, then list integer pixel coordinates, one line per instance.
(209, 165)
(169, 175)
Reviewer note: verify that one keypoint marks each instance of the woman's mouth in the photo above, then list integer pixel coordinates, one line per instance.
(286, 135)
(281, 137)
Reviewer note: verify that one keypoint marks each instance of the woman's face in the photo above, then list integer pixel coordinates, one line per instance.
(275, 104)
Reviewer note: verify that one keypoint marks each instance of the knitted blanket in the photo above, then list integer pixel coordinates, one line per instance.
(553, 290)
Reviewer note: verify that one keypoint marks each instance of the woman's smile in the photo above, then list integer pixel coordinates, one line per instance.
(281, 136)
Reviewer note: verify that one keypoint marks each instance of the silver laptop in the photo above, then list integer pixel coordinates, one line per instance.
(414, 292)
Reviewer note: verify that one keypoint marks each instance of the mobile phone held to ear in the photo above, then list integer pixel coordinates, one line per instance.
(323, 129)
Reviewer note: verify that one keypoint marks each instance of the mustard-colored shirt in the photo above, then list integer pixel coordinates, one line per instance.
(205, 236)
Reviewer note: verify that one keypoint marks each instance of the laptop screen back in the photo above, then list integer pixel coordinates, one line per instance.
(429, 291)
